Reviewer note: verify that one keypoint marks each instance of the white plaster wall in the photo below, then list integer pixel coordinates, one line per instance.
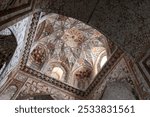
(19, 30)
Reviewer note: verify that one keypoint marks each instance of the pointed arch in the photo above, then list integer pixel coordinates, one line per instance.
(8, 45)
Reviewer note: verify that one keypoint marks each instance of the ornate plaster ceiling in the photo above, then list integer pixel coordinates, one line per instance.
(66, 43)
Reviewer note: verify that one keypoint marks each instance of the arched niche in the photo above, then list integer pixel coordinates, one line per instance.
(57, 73)
(103, 61)
(9, 93)
(81, 77)
(118, 91)
(100, 62)
(101, 52)
(8, 45)
(38, 56)
(56, 70)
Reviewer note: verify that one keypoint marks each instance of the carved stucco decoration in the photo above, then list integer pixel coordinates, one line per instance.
(134, 43)
(5, 32)
(45, 28)
(73, 37)
(83, 73)
(11, 89)
(8, 93)
(81, 77)
(38, 55)
(21, 77)
(53, 81)
(34, 87)
(66, 41)
(18, 31)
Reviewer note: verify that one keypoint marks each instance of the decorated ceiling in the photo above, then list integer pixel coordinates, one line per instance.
(68, 50)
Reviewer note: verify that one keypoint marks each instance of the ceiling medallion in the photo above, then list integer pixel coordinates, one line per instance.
(73, 37)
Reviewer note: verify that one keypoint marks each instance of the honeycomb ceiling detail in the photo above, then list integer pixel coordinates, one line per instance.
(66, 43)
